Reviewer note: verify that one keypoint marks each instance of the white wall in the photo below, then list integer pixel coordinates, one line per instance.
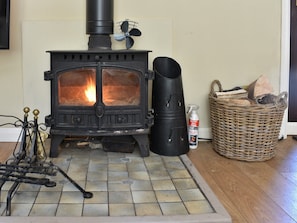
(230, 40)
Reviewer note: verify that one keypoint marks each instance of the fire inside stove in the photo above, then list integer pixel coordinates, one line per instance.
(120, 87)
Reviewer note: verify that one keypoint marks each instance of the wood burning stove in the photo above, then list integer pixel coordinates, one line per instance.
(99, 91)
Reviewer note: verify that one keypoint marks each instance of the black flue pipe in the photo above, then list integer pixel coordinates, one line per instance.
(99, 23)
(99, 17)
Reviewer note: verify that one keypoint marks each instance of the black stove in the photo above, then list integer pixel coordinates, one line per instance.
(99, 91)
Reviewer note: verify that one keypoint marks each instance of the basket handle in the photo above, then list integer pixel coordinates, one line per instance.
(215, 82)
(282, 97)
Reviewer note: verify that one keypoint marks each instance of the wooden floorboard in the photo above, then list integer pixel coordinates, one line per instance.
(252, 192)
(6, 149)
(281, 191)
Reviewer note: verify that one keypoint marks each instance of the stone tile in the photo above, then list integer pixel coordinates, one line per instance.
(167, 196)
(71, 197)
(151, 209)
(79, 162)
(198, 207)
(2, 208)
(115, 159)
(58, 187)
(64, 167)
(99, 197)
(29, 187)
(69, 210)
(176, 208)
(139, 175)
(121, 210)
(117, 176)
(95, 210)
(163, 185)
(136, 167)
(7, 185)
(119, 185)
(135, 159)
(115, 155)
(57, 178)
(174, 164)
(144, 197)
(153, 158)
(98, 167)
(96, 154)
(44, 210)
(48, 197)
(135, 153)
(125, 159)
(96, 186)
(117, 167)
(155, 167)
(121, 197)
(170, 159)
(191, 195)
(179, 174)
(24, 197)
(3, 196)
(78, 166)
(159, 175)
(78, 175)
(98, 160)
(21, 209)
(141, 185)
(187, 183)
(68, 186)
(97, 175)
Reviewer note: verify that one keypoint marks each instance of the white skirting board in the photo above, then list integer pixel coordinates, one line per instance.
(12, 134)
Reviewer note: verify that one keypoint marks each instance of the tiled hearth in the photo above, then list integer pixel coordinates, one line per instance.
(123, 185)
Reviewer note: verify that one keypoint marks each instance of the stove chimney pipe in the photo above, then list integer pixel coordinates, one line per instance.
(99, 24)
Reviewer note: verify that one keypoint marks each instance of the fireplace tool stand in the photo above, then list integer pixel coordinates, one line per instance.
(28, 164)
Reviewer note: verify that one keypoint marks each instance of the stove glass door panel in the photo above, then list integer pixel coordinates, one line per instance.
(77, 87)
(120, 87)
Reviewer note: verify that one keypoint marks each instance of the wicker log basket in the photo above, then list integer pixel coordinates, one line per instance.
(248, 133)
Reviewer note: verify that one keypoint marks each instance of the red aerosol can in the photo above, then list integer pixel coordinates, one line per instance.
(193, 126)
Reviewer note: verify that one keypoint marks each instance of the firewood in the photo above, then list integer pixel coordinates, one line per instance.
(261, 86)
(240, 102)
(239, 93)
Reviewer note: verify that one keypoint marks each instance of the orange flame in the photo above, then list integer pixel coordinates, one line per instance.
(90, 91)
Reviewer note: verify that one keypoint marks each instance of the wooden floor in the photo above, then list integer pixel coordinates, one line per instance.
(252, 192)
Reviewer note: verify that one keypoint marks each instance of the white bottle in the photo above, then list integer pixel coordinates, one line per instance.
(193, 126)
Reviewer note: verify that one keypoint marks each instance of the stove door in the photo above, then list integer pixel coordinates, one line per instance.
(77, 87)
(75, 93)
(121, 97)
(120, 87)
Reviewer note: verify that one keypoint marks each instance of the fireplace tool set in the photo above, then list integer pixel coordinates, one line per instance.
(28, 163)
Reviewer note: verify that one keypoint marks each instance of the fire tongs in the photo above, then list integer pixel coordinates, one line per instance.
(27, 165)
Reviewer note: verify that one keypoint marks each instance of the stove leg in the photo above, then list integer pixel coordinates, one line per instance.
(55, 143)
(143, 143)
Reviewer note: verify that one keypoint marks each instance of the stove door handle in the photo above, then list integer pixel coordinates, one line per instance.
(100, 110)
